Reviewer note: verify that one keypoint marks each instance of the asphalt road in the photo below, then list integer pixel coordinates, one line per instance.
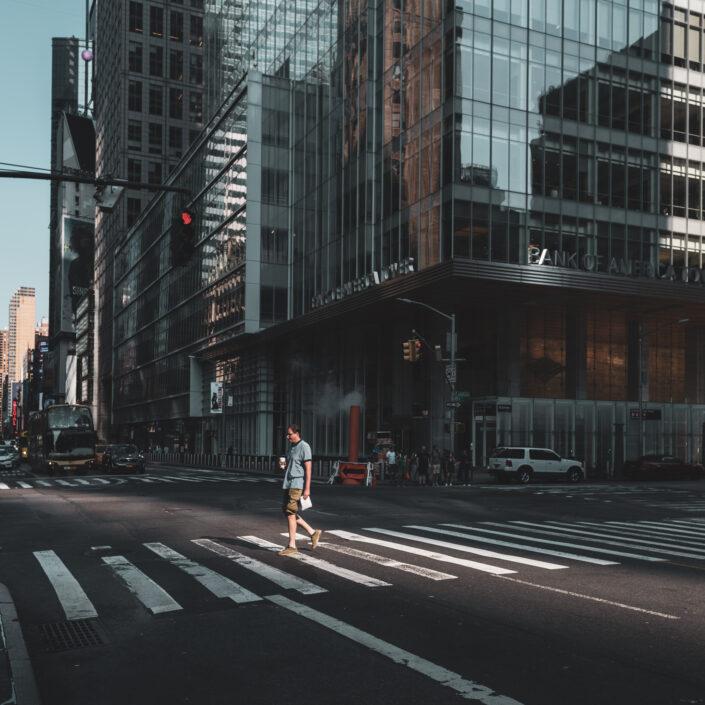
(166, 588)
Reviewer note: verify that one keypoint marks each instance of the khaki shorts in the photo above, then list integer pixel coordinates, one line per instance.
(290, 501)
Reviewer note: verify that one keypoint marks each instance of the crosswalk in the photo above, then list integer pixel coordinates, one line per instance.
(96, 482)
(240, 568)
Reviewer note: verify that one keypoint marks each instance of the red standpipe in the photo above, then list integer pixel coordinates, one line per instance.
(354, 433)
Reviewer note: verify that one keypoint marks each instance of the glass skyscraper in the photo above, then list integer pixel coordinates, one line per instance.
(533, 167)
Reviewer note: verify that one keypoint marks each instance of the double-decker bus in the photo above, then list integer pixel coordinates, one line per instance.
(62, 439)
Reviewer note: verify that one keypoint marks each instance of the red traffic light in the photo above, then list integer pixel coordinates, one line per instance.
(186, 217)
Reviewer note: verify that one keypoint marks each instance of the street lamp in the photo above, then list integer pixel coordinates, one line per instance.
(451, 371)
(642, 335)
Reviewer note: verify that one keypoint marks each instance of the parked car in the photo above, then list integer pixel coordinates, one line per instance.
(525, 464)
(123, 457)
(666, 466)
(9, 457)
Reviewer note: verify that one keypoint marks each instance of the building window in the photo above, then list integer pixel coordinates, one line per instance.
(134, 170)
(134, 96)
(156, 61)
(196, 68)
(134, 57)
(176, 99)
(155, 100)
(134, 206)
(196, 31)
(176, 26)
(176, 65)
(195, 107)
(156, 21)
(134, 135)
(198, 4)
(155, 138)
(175, 141)
(154, 173)
(135, 20)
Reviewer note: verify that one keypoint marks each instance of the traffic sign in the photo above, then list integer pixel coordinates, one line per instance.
(453, 404)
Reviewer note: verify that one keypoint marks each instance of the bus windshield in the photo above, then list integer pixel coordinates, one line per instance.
(69, 417)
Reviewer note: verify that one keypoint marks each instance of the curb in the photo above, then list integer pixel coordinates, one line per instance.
(15, 665)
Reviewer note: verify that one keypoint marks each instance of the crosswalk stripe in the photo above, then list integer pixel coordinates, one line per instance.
(44, 483)
(433, 555)
(527, 547)
(152, 596)
(609, 539)
(82, 482)
(469, 549)
(216, 583)
(467, 689)
(101, 480)
(320, 564)
(26, 485)
(3, 486)
(648, 532)
(555, 542)
(383, 560)
(72, 598)
(65, 482)
(677, 528)
(181, 478)
(279, 577)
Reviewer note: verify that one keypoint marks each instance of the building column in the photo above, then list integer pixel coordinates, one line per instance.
(576, 354)
(508, 354)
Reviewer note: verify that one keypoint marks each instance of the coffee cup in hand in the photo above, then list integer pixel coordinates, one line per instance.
(282, 463)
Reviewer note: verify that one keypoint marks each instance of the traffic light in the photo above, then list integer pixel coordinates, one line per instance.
(412, 350)
(183, 238)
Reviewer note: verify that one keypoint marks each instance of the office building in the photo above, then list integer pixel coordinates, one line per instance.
(531, 169)
(148, 107)
(21, 330)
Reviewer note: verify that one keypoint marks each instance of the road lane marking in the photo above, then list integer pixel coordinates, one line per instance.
(279, 577)
(526, 547)
(72, 598)
(26, 485)
(468, 549)
(676, 528)
(216, 583)
(320, 564)
(152, 596)
(609, 539)
(3, 486)
(65, 482)
(44, 483)
(82, 482)
(433, 555)
(590, 597)
(465, 688)
(554, 542)
(383, 560)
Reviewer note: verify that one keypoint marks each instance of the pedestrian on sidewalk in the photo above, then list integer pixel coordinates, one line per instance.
(423, 462)
(465, 469)
(435, 467)
(403, 466)
(297, 485)
(449, 469)
(392, 465)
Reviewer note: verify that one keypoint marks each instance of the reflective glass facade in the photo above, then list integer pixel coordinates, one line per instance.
(532, 166)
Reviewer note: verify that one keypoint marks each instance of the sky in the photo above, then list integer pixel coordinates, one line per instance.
(25, 139)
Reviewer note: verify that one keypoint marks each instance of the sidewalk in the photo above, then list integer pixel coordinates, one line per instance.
(17, 684)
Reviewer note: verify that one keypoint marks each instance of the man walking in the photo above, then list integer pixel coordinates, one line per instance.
(297, 484)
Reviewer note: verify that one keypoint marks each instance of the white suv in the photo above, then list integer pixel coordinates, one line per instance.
(524, 464)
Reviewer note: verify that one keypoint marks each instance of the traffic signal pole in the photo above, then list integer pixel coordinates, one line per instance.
(451, 370)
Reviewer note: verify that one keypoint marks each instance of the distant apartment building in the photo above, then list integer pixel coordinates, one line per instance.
(148, 108)
(3, 368)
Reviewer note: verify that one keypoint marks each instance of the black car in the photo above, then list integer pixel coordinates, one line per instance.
(666, 466)
(122, 457)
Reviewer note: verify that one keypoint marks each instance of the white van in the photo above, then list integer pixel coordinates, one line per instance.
(525, 464)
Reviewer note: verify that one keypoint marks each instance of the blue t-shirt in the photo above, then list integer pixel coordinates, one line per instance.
(295, 473)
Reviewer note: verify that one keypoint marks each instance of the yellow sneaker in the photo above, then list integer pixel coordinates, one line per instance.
(289, 551)
(315, 538)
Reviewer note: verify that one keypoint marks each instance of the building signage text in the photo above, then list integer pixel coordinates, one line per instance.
(367, 281)
(619, 266)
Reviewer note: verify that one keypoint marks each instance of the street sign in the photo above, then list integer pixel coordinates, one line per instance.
(453, 404)
(451, 373)
(462, 395)
(504, 407)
